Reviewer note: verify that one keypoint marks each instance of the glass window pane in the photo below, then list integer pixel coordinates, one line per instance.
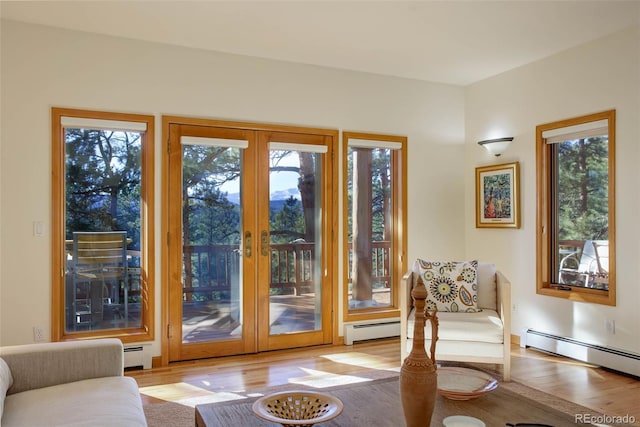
(102, 229)
(581, 212)
(369, 226)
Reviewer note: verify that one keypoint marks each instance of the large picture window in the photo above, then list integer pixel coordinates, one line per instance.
(576, 195)
(101, 226)
(375, 214)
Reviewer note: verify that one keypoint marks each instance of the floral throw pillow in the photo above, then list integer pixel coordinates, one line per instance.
(451, 286)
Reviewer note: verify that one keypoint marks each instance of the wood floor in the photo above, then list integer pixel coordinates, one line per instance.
(190, 382)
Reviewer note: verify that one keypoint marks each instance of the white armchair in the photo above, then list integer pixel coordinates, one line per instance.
(482, 337)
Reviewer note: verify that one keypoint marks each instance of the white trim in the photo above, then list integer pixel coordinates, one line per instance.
(86, 123)
(583, 130)
(214, 142)
(304, 148)
(373, 143)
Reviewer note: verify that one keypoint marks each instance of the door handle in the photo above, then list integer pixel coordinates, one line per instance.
(264, 243)
(247, 244)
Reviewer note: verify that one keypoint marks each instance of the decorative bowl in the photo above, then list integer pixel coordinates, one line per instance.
(463, 383)
(298, 408)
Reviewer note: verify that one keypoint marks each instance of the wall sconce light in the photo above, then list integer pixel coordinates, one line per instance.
(496, 146)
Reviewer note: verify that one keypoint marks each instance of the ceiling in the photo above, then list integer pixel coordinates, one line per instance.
(455, 42)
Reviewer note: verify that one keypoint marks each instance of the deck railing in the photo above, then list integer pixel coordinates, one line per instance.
(209, 270)
(380, 263)
(292, 267)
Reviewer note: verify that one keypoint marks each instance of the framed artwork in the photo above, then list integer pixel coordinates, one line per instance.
(497, 196)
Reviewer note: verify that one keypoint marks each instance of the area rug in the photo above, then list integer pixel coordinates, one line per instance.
(377, 404)
(169, 414)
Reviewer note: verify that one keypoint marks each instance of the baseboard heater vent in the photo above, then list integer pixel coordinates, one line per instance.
(368, 331)
(618, 360)
(137, 356)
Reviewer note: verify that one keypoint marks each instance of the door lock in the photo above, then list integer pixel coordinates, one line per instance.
(247, 244)
(264, 237)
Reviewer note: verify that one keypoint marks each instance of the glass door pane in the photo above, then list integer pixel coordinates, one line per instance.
(212, 236)
(295, 230)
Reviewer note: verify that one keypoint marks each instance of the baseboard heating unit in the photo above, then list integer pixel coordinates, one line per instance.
(354, 332)
(617, 360)
(137, 355)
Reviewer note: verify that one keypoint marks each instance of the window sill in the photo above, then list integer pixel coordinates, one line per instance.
(595, 296)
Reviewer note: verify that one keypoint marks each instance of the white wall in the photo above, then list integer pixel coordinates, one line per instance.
(601, 75)
(44, 67)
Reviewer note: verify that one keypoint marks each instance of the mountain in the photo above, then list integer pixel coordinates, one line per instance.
(285, 194)
(277, 197)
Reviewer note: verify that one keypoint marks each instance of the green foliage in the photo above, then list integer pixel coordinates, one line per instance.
(213, 220)
(582, 204)
(103, 178)
(211, 217)
(380, 192)
(287, 224)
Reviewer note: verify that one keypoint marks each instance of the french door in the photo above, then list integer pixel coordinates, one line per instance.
(249, 238)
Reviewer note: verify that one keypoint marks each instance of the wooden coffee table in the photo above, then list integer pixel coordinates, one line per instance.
(377, 403)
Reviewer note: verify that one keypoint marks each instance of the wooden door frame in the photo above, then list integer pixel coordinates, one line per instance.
(332, 138)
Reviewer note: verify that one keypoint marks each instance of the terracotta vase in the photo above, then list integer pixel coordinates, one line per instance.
(418, 377)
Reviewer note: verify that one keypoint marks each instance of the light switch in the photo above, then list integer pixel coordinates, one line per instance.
(38, 228)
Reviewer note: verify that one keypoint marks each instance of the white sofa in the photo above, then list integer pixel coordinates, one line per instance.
(482, 337)
(75, 383)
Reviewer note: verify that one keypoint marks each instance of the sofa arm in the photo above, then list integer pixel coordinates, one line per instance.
(42, 365)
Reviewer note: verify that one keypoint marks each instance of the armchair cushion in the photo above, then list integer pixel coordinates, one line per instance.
(451, 286)
(484, 326)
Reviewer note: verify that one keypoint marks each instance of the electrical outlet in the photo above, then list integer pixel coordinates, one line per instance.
(514, 307)
(38, 334)
(610, 326)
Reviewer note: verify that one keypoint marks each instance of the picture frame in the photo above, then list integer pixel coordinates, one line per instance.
(498, 196)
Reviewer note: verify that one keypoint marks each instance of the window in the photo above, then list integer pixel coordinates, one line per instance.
(375, 204)
(576, 203)
(102, 228)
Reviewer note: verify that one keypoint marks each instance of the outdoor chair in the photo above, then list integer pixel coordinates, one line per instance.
(98, 266)
(588, 267)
